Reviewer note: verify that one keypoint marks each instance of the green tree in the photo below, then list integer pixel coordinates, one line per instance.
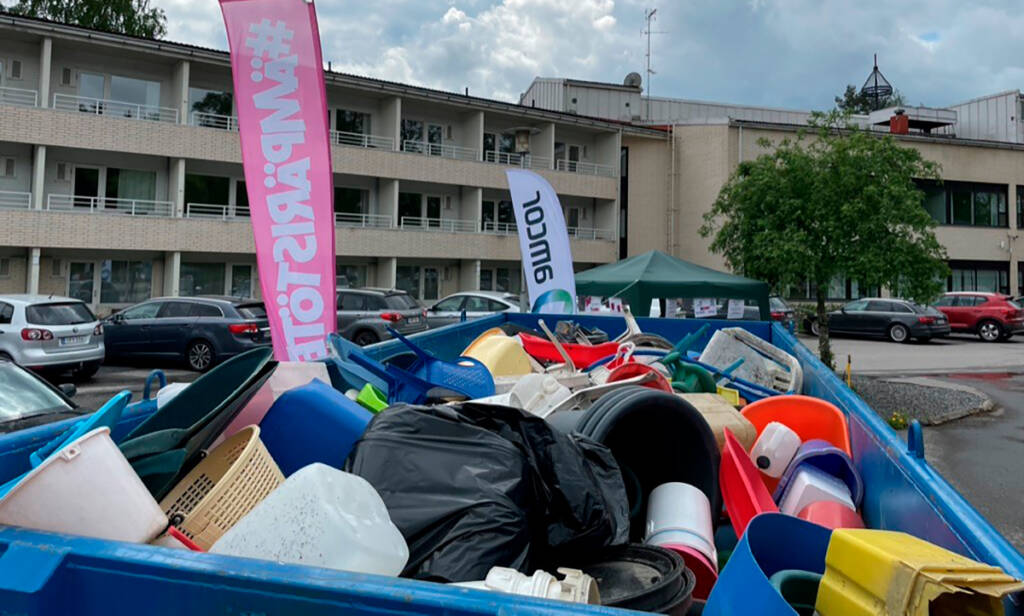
(133, 17)
(836, 202)
(854, 101)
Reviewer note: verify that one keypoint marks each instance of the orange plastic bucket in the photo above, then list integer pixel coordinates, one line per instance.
(809, 417)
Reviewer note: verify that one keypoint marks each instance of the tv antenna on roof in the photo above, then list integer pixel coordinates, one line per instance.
(648, 18)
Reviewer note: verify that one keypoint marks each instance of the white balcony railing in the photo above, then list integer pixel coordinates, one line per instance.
(213, 120)
(590, 233)
(379, 221)
(19, 96)
(439, 224)
(11, 200)
(216, 212)
(515, 159)
(105, 205)
(584, 168)
(360, 140)
(442, 150)
(120, 109)
(499, 228)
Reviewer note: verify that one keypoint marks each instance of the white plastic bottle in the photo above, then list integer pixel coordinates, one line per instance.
(576, 586)
(774, 449)
(322, 517)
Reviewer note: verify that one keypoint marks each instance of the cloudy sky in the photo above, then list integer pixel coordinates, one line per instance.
(783, 53)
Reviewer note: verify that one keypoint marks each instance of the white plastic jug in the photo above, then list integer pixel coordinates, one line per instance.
(811, 485)
(536, 393)
(774, 449)
(680, 514)
(87, 488)
(322, 517)
(577, 587)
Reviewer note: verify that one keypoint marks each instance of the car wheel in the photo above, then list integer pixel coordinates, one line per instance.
(365, 337)
(200, 356)
(899, 333)
(7, 357)
(87, 371)
(990, 331)
(815, 330)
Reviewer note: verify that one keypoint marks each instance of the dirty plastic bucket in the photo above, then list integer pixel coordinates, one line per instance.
(87, 488)
(321, 517)
(772, 543)
(575, 587)
(774, 449)
(312, 423)
(642, 577)
(680, 514)
(537, 393)
(812, 485)
(831, 514)
(657, 436)
(826, 457)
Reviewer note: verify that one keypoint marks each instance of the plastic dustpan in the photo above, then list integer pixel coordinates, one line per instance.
(743, 491)
(466, 375)
(877, 571)
(372, 398)
(106, 417)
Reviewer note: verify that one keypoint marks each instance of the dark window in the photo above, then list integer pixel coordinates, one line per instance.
(348, 200)
(899, 307)
(968, 301)
(967, 203)
(879, 306)
(142, 311)
(451, 304)
(352, 121)
(476, 304)
(252, 311)
(352, 301)
(496, 306)
(69, 313)
(206, 310)
(174, 310)
(400, 301)
(945, 300)
(6, 313)
(987, 276)
(374, 303)
(857, 306)
(1020, 213)
(486, 280)
(409, 205)
(206, 189)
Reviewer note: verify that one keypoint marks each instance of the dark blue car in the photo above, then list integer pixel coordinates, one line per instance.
(199, 331)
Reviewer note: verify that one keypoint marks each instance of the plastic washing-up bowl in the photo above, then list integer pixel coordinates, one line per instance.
(87, 488)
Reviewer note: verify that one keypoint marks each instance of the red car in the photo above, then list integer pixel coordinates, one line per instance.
(992, 316)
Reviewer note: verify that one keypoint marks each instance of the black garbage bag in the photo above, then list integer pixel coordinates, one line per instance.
(474, 486)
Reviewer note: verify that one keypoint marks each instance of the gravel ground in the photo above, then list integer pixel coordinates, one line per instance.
(930, 401)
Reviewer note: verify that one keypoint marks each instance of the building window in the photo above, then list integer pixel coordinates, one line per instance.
(410, 205)
(1020, 207)
(5, 267)
(351, 276)
(56, 269)
(241, 281)
(419, 282)
(201, 279)
(130, 184)
(212, 102)
(502, 279)
(208, 189)
(503, 211)
(966, 203)
(348, 121)
(349, 200)
(125, 282)
(979, 276)
(412, 135)
(486, 280)
(141, 92)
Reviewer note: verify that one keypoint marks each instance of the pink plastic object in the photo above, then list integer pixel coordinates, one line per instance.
(743, 491)
(705, 572)
(831, 515)
(631, 370)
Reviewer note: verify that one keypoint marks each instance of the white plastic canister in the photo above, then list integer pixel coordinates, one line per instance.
(680, 514)
(576, 587)
(812, 485)
(536, 393)
(774, 449)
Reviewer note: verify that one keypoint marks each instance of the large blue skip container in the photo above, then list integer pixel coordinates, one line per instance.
(43, 573)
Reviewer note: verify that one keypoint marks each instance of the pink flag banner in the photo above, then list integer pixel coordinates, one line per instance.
(282, 119)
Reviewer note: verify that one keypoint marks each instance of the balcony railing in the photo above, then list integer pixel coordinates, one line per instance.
(584, 168)
(18, 96)
(11, 200)
(105, 205)
(379, 221)
(439, 224)
(213, 120)
(499, 228)
(589, 233)
(121, 109)
(216, 212)
(442, 150)
(359, 140)
(515, 159)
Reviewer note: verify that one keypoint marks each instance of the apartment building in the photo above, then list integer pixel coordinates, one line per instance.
(979, 144)
(121, 175)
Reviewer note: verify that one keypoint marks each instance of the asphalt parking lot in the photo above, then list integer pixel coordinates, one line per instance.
(112, 379)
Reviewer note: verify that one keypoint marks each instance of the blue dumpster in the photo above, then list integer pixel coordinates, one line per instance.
(43, 573)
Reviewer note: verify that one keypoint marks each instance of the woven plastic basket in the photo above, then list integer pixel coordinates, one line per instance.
(221, 489)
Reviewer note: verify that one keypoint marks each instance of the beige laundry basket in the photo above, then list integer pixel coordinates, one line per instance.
(222, 488)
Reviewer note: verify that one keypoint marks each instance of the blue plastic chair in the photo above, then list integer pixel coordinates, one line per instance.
(466, 375)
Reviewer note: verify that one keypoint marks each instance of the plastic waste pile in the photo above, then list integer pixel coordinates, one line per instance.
(668, 476)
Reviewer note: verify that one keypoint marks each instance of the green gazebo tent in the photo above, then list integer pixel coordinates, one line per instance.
(655, 275)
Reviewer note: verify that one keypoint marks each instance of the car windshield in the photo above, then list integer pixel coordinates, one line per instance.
(66, 313)
(400, 301)
(252, 311)
(22, 395)
(777, 305)
(919, 309)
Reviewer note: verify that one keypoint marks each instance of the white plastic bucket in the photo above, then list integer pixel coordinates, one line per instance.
(812, 485)
(88, 488)
(321, 517)
(774, 449)
(576, 587)
(680, 514)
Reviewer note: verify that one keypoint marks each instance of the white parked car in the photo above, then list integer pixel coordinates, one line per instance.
(48, 332)
(474, 303)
